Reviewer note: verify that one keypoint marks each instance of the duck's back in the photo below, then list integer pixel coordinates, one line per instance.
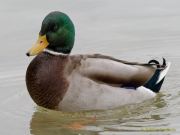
(87, 91)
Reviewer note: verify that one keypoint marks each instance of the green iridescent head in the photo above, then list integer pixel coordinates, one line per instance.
(57, 34)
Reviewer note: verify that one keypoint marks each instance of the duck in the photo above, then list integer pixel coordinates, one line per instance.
(58, 80)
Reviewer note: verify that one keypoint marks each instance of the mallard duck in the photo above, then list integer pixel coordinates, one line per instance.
(57, 80)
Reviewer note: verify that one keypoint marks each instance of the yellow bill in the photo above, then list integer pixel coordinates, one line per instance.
(40, 45)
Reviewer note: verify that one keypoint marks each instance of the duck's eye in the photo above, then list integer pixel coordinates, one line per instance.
(54, 28)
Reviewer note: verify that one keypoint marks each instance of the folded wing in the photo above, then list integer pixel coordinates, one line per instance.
(111, 71)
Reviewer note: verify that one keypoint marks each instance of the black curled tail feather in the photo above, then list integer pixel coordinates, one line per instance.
(154, 83)
(155, 62)
(164, 62)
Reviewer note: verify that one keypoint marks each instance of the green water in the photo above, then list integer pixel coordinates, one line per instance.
(135, 30)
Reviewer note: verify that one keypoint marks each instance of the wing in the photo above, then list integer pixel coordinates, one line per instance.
(111, 71)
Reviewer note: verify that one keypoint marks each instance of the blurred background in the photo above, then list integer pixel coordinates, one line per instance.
(134, 30)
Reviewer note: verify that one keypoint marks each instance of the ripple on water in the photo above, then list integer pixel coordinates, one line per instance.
(138, 118)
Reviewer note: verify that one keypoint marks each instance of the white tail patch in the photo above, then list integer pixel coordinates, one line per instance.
(164, 72)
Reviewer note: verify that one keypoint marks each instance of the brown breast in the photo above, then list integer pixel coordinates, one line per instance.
(46, 81)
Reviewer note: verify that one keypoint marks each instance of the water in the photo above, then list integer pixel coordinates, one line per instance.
(126, 29)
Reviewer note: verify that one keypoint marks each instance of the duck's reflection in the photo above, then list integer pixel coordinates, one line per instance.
(48, 122)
